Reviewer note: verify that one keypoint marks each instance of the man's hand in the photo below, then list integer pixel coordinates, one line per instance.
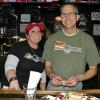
(56, 80)
(72, 81)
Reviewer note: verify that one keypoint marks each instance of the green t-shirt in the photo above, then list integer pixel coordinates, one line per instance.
(69, 54)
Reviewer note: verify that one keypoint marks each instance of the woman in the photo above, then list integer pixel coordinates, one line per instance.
(25, 57)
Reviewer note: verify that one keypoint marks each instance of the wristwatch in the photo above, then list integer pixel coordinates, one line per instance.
(12, 79)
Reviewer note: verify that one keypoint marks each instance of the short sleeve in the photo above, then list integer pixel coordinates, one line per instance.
(92, 55)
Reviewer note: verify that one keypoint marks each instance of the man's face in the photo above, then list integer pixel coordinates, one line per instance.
(69, 16)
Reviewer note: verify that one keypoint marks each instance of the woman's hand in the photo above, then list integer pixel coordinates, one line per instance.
(14, 85)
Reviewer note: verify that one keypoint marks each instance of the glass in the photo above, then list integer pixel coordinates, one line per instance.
(30, 93)
(70, 14)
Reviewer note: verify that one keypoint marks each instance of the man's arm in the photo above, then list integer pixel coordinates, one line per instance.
(48, 69)
(55, 79)
(73, 80)
(88, 74)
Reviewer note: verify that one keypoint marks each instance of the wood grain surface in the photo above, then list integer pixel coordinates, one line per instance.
(91, 91)
(19, 94)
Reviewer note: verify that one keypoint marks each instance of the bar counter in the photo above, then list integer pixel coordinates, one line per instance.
(19, 94)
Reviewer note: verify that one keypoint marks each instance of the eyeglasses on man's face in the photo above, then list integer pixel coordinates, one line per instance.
(70, 14)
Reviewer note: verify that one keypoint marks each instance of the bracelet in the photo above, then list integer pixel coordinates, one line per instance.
(12, 79)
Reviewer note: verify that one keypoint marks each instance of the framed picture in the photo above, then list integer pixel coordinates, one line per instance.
(25, 18)
(96, 29)
(22, 27)
(95, 16)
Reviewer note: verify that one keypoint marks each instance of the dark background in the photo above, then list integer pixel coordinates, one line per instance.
(47, 13)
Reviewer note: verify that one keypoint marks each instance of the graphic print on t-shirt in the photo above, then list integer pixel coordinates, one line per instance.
(33, 57)
(67, 48)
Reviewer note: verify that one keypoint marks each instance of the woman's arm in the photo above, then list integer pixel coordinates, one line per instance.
(43, 81)
(10, 71)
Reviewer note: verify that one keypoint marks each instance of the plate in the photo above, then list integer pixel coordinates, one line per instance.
(69, 96)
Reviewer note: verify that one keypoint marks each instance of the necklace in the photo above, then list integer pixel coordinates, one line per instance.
(35, 58)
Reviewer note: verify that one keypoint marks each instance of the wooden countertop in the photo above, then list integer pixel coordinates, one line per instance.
(90, 91)
(19, 94)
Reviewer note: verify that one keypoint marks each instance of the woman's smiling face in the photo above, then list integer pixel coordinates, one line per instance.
(34, 35)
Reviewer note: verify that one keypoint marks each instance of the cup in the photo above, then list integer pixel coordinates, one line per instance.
(30, 93)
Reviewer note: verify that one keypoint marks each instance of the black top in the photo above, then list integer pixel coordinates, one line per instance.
(29, 60)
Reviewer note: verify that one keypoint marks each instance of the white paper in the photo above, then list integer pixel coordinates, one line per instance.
(33, 81)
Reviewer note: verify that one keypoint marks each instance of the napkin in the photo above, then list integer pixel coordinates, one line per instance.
(34, 78)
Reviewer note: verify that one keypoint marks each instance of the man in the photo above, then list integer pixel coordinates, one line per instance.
(67, 52)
